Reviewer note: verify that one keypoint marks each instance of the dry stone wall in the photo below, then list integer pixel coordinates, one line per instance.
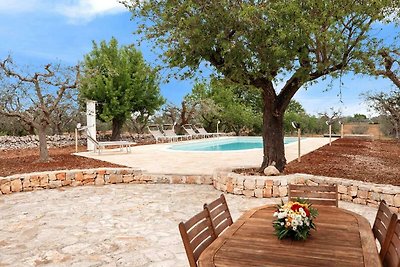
(32, 141)
(225, 180)
(102, 176)
(277, 186)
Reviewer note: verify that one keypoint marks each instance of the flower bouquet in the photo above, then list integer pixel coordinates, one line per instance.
(294, 219)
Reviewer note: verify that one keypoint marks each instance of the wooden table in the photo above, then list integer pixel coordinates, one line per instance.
(343, 238)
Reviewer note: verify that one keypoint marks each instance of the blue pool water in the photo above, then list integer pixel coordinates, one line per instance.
(226, 144)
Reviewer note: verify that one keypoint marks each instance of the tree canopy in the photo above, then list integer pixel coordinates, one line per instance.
(262, 44)
(34, 98)
(237, 109)
(121, 82)
(388, 105)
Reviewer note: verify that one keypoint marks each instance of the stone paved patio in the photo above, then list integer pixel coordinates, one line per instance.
(113, 225)
(198, 162)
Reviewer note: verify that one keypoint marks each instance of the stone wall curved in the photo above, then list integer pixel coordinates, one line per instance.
(100, 176)
(277, 186)
(224, 180)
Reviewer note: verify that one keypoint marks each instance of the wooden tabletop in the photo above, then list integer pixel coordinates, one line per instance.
(342, 238)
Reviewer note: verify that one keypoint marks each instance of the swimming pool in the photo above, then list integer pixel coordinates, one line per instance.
(226, 144)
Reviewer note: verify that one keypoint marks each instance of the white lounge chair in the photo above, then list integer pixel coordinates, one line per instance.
(188, 128)
(169, 131)
(201, 130)
(98, 146)
(157, 134)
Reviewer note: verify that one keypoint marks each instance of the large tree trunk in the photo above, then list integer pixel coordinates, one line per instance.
(116, 129)
(273, 136)
(43, 151)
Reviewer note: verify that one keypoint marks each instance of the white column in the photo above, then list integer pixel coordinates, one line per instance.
(91, 122)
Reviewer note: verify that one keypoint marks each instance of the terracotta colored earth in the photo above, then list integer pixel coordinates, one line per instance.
(26, 161)
(365, 160)
(375, 161)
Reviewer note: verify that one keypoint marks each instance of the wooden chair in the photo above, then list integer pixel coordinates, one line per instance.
(384, 219)
(197, 234)
(326, 195)
(219, 214)
(391, 248)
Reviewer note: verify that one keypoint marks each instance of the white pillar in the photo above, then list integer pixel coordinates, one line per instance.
(91, 122)
(298, 147)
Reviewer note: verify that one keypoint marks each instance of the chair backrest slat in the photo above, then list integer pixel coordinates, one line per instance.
(170, 133)
(169, 130)
(217, 210)
(188, 128)
(220, 218)
(202, 247)
(222, 226)
(202, 130)
(197, 234)
(318, 195)
(155, 131)
(384, 220)
(199, 239)
(391, 247)
(197, 229)
(219, 214)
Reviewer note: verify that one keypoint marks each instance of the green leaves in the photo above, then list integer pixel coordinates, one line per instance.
(238, 108)
(120, 81)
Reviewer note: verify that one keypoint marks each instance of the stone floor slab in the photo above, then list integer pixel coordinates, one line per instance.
(113, 225)
(159, 159)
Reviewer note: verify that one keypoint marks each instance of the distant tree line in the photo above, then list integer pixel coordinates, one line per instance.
(238, 110)
(251, 46)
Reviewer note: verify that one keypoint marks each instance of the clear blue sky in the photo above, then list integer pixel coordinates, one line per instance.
(37, 32)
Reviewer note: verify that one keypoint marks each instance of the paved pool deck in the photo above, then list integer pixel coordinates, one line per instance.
(159, 159)
(112, 225)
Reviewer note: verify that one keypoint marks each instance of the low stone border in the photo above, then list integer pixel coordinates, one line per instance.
(224, 180)
(101, 176)
(276, 186)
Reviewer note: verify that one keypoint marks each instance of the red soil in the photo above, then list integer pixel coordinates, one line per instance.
(364, 160)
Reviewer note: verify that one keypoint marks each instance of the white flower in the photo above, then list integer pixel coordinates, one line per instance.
(294, 228)
(301, 210)
(282, 223)
(282, 215)
(275, 214)
(307, 223)
(294, 223)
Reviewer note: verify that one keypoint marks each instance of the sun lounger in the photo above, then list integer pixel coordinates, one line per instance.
(169, 131)
(157, 134)
(99, 146)
(201, 130)
(189, 129)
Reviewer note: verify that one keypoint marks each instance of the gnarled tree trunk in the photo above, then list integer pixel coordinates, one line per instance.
(273, 136)
(116, 129)
(43, 151)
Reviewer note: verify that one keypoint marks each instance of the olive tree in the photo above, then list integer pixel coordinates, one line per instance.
(384, 61)
(121, 82)
(275, 46)
(388, 105)
(33, 98)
